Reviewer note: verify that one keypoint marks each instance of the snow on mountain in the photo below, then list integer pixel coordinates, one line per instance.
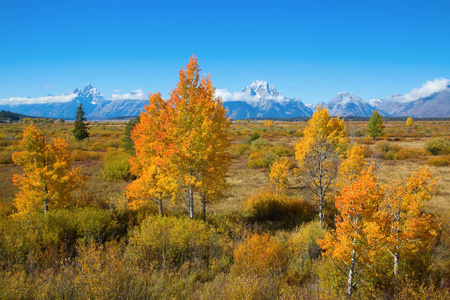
(261, 100)
(346, 104)
(258, 100)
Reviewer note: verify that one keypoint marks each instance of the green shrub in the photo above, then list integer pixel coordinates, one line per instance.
(269, 206)
(239, 150)
(171, 241)
(304, 250)
(116, 166)
(259, 144)
(438, 146)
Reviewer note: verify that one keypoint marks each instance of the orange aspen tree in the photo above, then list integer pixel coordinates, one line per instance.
(156, 179)
(356, 238)
(199, 129)
(278, 175)
(181, 145)
(407, 228)
(318, 154)
(47, 179)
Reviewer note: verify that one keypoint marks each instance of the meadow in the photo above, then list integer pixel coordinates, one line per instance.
(99, 248)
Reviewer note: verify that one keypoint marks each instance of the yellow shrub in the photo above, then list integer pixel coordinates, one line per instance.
(439, 161)
(406, 153)
(259, 255)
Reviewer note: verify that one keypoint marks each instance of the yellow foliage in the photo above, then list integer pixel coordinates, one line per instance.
(351, 167)
(278, 175)
(268, 123)
(409, 122)
(47, 178)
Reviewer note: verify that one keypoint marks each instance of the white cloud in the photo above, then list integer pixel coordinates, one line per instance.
(49, 99)
(226, 96)
(428, 88)
(133, 95)
(116, 91)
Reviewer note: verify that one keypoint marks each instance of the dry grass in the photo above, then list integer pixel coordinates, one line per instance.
(245, 181)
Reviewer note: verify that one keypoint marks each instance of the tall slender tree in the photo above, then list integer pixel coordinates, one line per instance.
(80, 131)
(318, 154)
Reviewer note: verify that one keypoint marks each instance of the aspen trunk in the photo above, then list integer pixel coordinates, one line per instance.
(191, 203)
(204, 207)
(160, 208)
(396, 261)
(350, 275)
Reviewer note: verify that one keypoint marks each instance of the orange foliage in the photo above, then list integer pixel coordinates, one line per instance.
(259, 255)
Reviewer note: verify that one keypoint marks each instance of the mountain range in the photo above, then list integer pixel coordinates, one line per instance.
(259, 100)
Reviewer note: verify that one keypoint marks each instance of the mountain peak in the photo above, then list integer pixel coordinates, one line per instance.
(345, 97)
(261, 89)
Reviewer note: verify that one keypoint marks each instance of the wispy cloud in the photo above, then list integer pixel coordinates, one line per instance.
(116, 91)
(138, 94)
(428, 88)
(39, 100)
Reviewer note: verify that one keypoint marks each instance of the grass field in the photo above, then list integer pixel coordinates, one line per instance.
(105, 137)
(62, 261)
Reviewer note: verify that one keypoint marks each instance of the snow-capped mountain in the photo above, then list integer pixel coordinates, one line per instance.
(258, 100)
(262, 100)
(64, 106)
(346, 104)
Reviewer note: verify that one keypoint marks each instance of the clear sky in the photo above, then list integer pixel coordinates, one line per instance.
(310, 49)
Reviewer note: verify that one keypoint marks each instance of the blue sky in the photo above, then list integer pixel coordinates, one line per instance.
(308, 49)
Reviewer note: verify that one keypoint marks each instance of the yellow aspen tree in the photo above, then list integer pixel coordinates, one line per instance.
(278, 175)
(408, 230)
(409, 122)
(351, 167)
(48, 179)
(199, 129)
(318, 154)
(356, 238)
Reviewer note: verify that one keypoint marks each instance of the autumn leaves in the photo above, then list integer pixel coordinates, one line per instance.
(47, 179)
(181, 146)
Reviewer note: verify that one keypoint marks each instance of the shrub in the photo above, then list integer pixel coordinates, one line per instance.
(259, 144)
(438, 146)
(170, 241)
(259, 255)
(81, 155)
(269, 206)
(238, 150)
(439, 161)
(116, 166)
(407, 153)
(386, 150)
(5, 157)
(260, 159)
(304, 250)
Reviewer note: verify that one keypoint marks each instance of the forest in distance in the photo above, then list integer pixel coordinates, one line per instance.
(183, 203)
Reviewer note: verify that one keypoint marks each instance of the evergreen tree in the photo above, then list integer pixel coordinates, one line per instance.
(81, 126)
(375, 127)
(128, 143)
